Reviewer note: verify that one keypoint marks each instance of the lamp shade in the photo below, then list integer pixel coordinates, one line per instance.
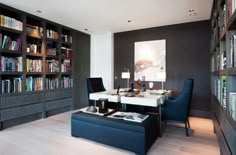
(161, 76)
(125, 75)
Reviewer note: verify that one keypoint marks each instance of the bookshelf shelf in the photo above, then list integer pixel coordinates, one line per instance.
(66, 43)
(66, 73)
(52, 56)
(10, 30)
(66, 58)
(12, 52)
(34, 36)
(11, 73)
(232, 22)
(53, 73)
(53, 40)
(34, 73)
(223, 35)
(34, 54)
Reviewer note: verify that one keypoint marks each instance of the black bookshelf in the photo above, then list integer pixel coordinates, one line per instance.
(223, 74)
(37, 36)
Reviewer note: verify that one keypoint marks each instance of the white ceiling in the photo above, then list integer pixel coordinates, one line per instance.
(100, 16)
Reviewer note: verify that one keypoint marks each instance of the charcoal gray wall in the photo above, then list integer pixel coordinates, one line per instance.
(187, 56)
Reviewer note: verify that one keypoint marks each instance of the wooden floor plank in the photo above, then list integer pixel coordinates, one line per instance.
(52, 136)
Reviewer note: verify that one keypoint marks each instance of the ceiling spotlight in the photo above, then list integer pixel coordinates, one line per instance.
(129, 21)
(86, 29)
(191, 10)
(192, 14)
(38, 11)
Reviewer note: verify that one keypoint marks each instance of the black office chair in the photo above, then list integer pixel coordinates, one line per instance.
(177, 108)
(96, 85)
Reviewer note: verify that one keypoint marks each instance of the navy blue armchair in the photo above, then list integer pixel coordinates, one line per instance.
(177, 108)
(96, 85)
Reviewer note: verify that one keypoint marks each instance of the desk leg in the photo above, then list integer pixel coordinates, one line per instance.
(124, 107)
(95, 103)
(160, 128)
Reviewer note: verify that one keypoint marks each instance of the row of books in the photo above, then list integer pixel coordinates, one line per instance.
(34, 65)
(66, 82)
(223, 91)
(35, 31)
(34, 83)
(222, 19)
(232, 62)
(52, 51)
(11, 64)
(52, 66)
(66, 52)
(33, 48)
(66, 66)
(52, 83)
(9, 43)
(231, 7)
(219, 91)
(12, 23)
(52, 34)
(11, 85)
(66, 38)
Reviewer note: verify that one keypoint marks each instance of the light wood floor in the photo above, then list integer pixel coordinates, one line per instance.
(51, 136)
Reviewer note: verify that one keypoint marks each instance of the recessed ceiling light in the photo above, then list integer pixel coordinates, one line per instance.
(129, 21)
(191, 10)
(192, 14)
(86, 29)
(38, 11)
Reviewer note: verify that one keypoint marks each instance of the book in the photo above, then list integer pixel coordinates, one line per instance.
(232, 105)
(129, 116)
(223, 91)
(12, 85)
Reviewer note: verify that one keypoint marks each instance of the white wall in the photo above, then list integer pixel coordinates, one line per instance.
(101, 58)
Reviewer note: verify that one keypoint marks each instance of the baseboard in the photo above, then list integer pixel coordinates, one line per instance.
(200, 113)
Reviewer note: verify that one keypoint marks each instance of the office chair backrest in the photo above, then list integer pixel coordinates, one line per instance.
(186, 95)
(94, 85)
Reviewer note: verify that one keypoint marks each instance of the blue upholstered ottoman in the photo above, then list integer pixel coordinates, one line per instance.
(132, 136)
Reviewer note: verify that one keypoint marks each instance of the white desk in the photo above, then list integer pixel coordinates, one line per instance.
(104, 94)
(146, 100)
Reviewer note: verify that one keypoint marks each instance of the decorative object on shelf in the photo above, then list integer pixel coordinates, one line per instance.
(139, 84)
(126, 75)
(150, 84)
(149, 58)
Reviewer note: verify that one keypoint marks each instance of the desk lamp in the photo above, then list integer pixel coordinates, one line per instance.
(126, 75)
(161, 76)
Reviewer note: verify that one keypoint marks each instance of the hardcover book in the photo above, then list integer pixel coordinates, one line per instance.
(232, 105)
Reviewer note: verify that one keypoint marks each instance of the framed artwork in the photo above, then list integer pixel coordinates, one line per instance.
(150, 60)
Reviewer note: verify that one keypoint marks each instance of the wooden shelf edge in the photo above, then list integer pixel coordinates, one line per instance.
(10, 30)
